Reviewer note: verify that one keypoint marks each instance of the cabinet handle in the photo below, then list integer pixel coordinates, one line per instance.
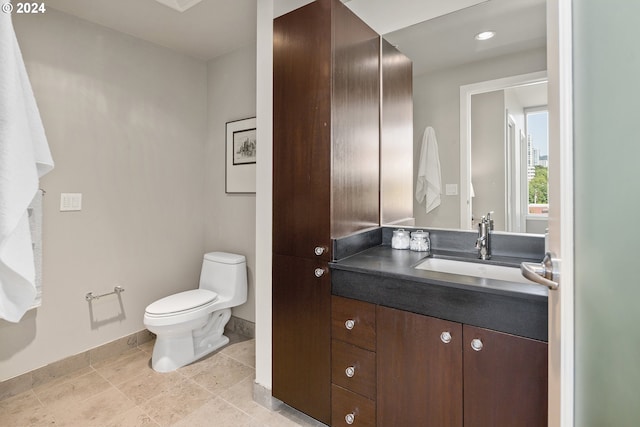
(445, 337)
(350, 418)
(349, 324)
(319, 250)
(350, 371)
(476, 344)
(319, 272)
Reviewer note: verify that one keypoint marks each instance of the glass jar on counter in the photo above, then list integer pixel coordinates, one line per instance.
(400, 239)
(420, 241)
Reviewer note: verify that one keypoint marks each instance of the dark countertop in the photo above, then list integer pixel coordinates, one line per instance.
(386, 276)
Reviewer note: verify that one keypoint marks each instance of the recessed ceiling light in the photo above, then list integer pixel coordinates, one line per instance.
(179, 5)
(485, 35)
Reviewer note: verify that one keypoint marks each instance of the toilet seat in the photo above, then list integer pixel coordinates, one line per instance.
(181, 303)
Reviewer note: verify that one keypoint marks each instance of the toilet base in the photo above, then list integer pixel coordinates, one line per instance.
(172, 351)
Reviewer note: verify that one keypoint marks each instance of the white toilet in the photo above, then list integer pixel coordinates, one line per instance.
(189, 325)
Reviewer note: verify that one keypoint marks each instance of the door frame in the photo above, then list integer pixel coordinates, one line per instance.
(561, 211)
(466, 91)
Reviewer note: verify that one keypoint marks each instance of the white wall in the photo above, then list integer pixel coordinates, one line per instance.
(488, 156)
(126, 123)
(230, 224)
(515, 107)
(264, 189)
(436, 100)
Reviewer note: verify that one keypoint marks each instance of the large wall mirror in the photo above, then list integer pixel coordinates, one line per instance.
(486, 101)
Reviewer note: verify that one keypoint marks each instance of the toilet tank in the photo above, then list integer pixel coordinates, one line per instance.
(226, 275)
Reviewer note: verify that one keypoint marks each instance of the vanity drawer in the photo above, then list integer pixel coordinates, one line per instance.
(353, 368)
(351, 409)
(353, 321)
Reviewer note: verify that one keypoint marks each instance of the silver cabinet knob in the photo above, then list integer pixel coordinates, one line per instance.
(319, 272)
(350, 418)
(319, 250)
(349, 324)
(445, 337)
(350, 371)
(476, 344)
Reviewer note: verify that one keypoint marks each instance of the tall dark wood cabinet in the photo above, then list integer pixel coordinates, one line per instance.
(325, 183)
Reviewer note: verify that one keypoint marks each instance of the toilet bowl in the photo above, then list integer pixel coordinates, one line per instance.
(190, 324)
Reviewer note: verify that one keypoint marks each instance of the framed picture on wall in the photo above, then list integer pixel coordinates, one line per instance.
(241, 156)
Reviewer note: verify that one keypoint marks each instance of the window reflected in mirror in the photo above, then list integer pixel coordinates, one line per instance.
(537, 126)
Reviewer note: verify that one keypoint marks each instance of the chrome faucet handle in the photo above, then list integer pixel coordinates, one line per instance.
(490, 220)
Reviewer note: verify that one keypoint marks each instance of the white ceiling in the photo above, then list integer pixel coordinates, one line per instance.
(534, 95)
(209, 29)
(385, 16)
(214, 27)
(448, 40)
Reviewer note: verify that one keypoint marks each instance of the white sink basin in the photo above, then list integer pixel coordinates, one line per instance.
(475, 269)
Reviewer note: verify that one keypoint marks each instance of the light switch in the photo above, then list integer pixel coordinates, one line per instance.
(451, 189)
(70, 202)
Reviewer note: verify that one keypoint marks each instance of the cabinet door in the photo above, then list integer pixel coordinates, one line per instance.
(349, 408)
(301, 335)
(354, 322)
(355, 108)
(505, 379)
(302, 131)
(419, 370)
(353, 368)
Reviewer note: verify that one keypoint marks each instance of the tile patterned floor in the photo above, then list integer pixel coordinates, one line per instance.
(125, 391)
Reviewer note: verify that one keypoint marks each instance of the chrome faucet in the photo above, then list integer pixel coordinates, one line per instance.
(483, 242)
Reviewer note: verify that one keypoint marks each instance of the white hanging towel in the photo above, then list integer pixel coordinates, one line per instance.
(24, 158)
(429, 182)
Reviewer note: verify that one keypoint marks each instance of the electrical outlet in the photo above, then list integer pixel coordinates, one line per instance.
(70, 202)
(451, 189)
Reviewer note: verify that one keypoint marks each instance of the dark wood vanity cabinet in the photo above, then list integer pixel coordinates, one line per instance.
(301, 336)
(326, 89)
(353, 363)
(433, 372)
(505, 379)
(407, 369)
(419, 370)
